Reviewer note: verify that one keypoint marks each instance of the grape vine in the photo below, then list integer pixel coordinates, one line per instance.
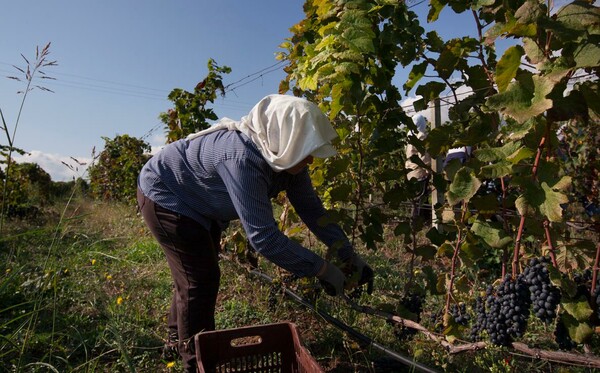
(507, 108)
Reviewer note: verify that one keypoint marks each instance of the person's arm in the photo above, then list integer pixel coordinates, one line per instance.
(248, 189)
(310, 209)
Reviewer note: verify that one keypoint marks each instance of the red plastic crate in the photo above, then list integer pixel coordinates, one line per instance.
(257, 349)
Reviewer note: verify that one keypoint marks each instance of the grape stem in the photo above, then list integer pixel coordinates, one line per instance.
(454, 260)
(550, 245)
(534, 169)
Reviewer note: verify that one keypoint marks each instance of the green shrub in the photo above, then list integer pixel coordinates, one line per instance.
(114, 177)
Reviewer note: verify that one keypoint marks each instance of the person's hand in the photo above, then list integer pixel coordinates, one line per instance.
(358, 273)
(332, 279)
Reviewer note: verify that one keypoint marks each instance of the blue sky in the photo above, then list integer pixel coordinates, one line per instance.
(118, 60)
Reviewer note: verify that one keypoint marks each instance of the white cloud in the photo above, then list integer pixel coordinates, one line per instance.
(59, 167)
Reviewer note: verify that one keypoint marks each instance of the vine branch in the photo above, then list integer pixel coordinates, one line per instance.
(557, 356)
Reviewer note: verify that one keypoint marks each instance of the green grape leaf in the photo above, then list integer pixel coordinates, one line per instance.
(487, 204)
(519, 155)
(436, 44)
(543, 199)
(578, 308)
(472, 251)
(496, 154)
(551, 206)
(427, 252)
(430, 91)
(431, 277)
(592, 97)
(587, 55)
(464, 186)
(566, 285)
(340, 193)
(445, 250)
(435, 8)
(317, 177)
(574, 254)
(439, 140)
(308, 82)
(452, 57)
(462, 285)
(477, 79)
(533, 52)
(416, 73)
(580, 16)
(524, 98)
(507, 67)
(528, 13)
(337, 166)
(520, 130)
(359, 39)
(579, 332)
(403, 228)
(496, 170)
(491, 233)
(387, 174)
(435, 236)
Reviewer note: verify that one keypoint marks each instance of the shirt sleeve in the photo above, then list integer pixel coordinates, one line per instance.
(247, 186)
(309, 207)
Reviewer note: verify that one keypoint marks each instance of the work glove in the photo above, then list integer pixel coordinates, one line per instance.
(332, 279)
(358, 273)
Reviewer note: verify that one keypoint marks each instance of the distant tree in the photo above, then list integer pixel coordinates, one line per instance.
(28, 189)
(64, 189)
(190, 113)
(114, 176)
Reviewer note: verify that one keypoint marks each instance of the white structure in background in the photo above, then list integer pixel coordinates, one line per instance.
(416, 171)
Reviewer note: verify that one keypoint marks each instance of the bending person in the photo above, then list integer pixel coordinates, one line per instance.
(192, 188)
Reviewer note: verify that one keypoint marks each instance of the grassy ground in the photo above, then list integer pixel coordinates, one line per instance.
(86, 289)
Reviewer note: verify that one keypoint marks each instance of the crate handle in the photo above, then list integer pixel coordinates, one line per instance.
(251, 340)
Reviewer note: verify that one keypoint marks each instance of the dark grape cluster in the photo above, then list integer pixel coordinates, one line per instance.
(561, 336)
(584, 280)
(545, 297)
(412, 302)
(436, 319)
(507, 310)
(459, 314)
(480, 320)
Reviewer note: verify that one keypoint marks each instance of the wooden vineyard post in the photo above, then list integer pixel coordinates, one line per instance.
(437, 197)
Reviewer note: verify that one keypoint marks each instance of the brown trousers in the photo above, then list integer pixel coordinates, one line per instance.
(192, 255)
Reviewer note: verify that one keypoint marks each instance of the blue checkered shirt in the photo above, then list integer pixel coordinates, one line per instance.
(221, 177)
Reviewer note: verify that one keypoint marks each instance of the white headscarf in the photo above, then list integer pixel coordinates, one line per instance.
(286, 130)
(421, 122)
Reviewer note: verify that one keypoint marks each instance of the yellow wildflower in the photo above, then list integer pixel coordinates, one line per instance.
(93, 261)
(119, 300)
(108, 277)
(170, 364)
